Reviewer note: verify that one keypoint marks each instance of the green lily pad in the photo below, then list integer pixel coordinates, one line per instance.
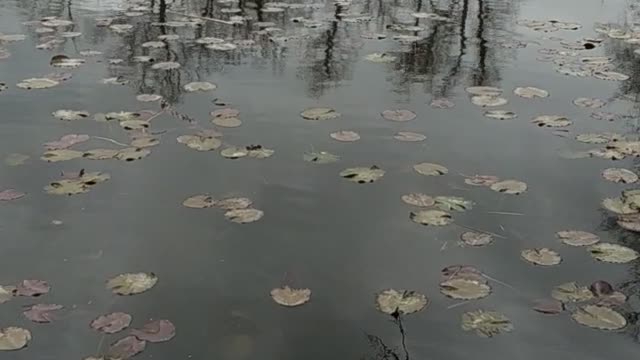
(571, 292)
(363, 175)
(61, 155)
(488, 101)
(100, 154)
(531, 92)
(431, 217)
(486, 323)
(551, 121)
(612, 253)
(132, 154)
(37, 83)
(577, 237)
(541, 256)
(418, 199)
(454, 203)
(409, 136)
(244, 216)
(476, 238)
(400, 302)
(619, 175)
(200, 86)
(14, 338)
(464, 289)
(289, 297)
(199, 202)
(320, 113)
(234, 152)
(200, 143)
(599, 317)
(430, 169)
(512, 187)
(320, 157)
(132, 283)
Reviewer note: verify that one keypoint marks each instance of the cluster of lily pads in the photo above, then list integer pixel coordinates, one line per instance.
(237, 209)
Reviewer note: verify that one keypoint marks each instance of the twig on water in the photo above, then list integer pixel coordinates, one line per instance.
(458, 304)
(201, 17)
(500, 282)
(110, 140)
(505, 213)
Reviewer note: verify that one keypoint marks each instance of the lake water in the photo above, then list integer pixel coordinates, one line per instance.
(344, 241)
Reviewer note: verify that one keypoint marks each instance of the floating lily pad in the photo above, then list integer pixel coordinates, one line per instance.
(548, 306)
(234, 152)
(259, 152)
(14, 338)
(541, 256)
(200, 86)
(629, 222)
(144, 141)
(132, 283)
(126, 348)
(199, 202)
(612, 253)
(486, 323)
(481, 180)
(464, 289)
(64, 61)
(244, 216)
(100, 154)
(577, 237)
(320, 157)
(474, 238)
(590, 103)
(362, 175)
(571, 292)
(382, 58)
(610, 76)
(551, 121)
(200, 143)
(607, 154)
(320, 113)
(454, 203)
(345, 135)
(500, 114)
(287, 296)
(154, 44)
(61, 155)
(148, 97)
(512, 187)
(484, 90)
(418, 199)
(67, 141)
(599, 317)
(228, 122)
(530, 92)
(442, 103)
(132, 154)
(431, 217)
(409, 136)
(488, 101)
(601, 138)
(111, 323)
(400, 302)
(32, 288)
(42, 313)
(70, 115)
(116, 80)
(234, 203)
(11, 194)
(619, 175)
(156, 331)
(430, 169)
(166, 65)
(37, 83)
(398, 115)
(618, 206)
(134, 124)
(6, 293)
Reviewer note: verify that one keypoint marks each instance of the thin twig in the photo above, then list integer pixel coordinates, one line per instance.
(444, 245)
(481, 231)
(500, 282)
(404, 345)
(505, 213)
(458, 304)
(201, 17)
(110, 140)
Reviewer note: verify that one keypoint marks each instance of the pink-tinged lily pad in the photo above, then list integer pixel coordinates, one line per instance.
(548, 306)
(32, 288)
(10, 194)
(156, 331)
(398, 115)
(345, 135)
(67, 141)
(111, 323)
(126, 348)
(42, 313)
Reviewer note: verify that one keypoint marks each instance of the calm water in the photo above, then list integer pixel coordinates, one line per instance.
(343, 241)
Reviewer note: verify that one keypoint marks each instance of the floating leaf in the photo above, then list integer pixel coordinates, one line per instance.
(111, 323)
(400, 302)
(148, 97)
(577, 237)
(463, 272)
(156, 331)
(64, 61)
(200, 143)
(531, 92)
(486, 323)
(607, 154)
(116, 80)
(381, 58)
(132, 283)
(126, 348)
(430, 169)
(287, 296)
(571, 292)
(144, 141)
(234, 152)
(320, 157)
(612, 253)
(464, 289)
(32, 288)
(166, 65)
(453, 203)
(409, 136)
(602, 138)
(320, 114)
(100, 154)
(226, 113)
(14, 338)
(599, 317)
(228, 122)
(488, 101)
(541, 256)
(11, 194)
(6, 293)
(134, 124)
(132, 154)
(42, 313)
(484, 90)
(551, 121)
(418, 199)
(244, 216)
(548, 306)
(398, 115)
(345, 135)
(618, 206)
(512, 187)
(259, 152)
(431, 217)
(61, 155)
(500, 114)
(199, 202)
(481, 180)
(590, 103)
(200, 86)
(362, 175)
(619, 175)
(442, 103)
(610, 75)
(234, 203)
(629, 222)
(76, 185)
(67, 141)
(476, 238)
(37, 83)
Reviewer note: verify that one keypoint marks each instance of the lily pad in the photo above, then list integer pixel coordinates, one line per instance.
(70, 115)
(132, 283)
(571, 292)
(619, 175)
(612, 253)
(610, 76)
(531, 92)
(362, 175)
(601, 138)
(134, 124)
(200, 143)
(100, 154)
(244, 216)
(320, 113)
(464, 289)
(382, 58)
(228, 122)
(618, 206)
(259, 152)
(481, 180)
(541, 256)
(289, 297)
(577, 237)
(551, 121)
(126, 348)
(442, 103)
(500, 114)
(234, 203)
(6, 293)
(548, 306)
(431, 217)
(234, 152)
(599, 317)
(474, 238)
(156, 331)
(10, 195)
(418, 199)
(67, 141)
(148, 97)
(144, 141)
(484, 90)
(37, 83)
(409, 136)
(488, 101)
(400, 302)
(345, 135)
(166, 65)
(225, 113)
(199, 202)
(486, 323)
(320, 157)
(629, 222)
(454, 203)
(607, 154)
(14, 338)
(111, 323)
(61, 155)
(589, 103)
(398, 115)
(430, 169)
(42, 313)
(512, 187)
(132, 154)
(200, 86)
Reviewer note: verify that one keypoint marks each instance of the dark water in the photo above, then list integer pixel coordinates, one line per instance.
(343, 241)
